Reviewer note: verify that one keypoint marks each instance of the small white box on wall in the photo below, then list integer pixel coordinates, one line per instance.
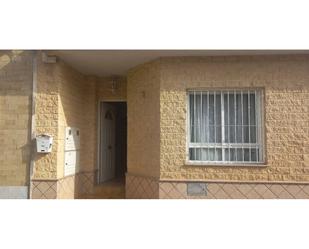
(44, 143)
(71, 151)
(71, 160)
(72, 139)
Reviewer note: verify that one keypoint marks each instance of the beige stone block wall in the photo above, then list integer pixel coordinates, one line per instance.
(144, 120)
(77, 108)
(64, 98)
(156, 97)
(230, 190)
(107, 92)
(46, 118)
(69, 187)
(15, 117)
(285, 80)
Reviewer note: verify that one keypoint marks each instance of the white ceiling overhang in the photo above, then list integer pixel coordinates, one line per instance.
(118, 62)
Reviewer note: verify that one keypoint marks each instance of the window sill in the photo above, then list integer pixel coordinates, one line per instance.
(247, 165)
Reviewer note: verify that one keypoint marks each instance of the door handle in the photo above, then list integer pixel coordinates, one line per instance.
(109, 147)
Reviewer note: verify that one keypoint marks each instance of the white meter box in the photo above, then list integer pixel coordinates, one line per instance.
(72, 139)
(71, 151)
(71, 159)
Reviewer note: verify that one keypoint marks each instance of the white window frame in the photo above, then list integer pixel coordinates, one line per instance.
(261, 132)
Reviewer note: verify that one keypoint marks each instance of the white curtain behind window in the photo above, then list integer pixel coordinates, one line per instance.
(240, 127)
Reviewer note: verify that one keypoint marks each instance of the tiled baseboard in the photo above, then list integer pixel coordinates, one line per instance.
(213, 190)
(69, 187)
(43, 189)
(141, 187)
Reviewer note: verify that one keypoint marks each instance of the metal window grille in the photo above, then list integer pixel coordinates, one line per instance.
(224, 127)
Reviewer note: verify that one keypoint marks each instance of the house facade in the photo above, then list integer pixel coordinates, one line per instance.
(233, 126)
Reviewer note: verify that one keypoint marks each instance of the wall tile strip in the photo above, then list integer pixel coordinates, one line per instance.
(15, 117)
(67, 187)
(86, 183)
(178, 190)
(70, 187)
(139, 187)
(44, 190)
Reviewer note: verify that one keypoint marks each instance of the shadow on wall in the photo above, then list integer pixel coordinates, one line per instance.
(77, 109)
(79, 97)
(65, 98)
(15, 117)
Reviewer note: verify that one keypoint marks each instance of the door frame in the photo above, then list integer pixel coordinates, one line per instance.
(98, 136)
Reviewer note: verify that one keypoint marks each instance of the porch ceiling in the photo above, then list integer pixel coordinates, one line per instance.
(118, 62)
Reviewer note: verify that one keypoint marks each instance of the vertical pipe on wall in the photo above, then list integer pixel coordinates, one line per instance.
(32, 128)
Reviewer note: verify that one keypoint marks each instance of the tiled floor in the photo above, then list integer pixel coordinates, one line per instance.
(113, 189)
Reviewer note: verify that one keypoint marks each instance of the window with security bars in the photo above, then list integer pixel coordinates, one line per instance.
(225, 127)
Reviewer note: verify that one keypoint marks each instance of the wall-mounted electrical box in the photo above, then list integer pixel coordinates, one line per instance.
(71, 151)
(44, 143)
(71, 160)
(72, 139)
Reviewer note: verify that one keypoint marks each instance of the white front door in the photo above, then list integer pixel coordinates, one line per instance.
(107, 165)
